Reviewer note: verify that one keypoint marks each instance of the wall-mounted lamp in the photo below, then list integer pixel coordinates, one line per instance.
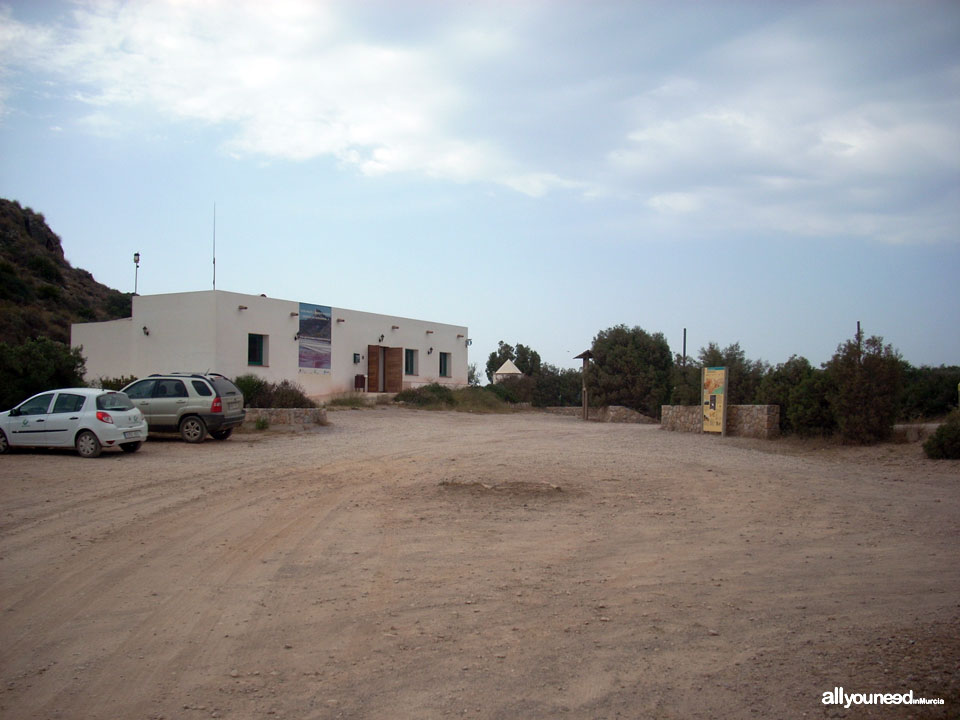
(145, 331)
(297, 336)
(241, 307)
(381, 339)
(293, 314)
(430, 351)
(469, 342)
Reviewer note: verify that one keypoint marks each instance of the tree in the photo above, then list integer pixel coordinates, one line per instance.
(527, 360)
(630, 367)
(37, 365)
(685, 381)
(868, 378)
(503, 353)
(779, 383)
(556, 387)
(743, 375)
(473, 378)
(809, 410)
(928, 392)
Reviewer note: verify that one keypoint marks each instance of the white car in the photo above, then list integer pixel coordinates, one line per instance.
(88, 419)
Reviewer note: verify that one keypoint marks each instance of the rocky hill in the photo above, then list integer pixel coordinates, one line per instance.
(40, 292)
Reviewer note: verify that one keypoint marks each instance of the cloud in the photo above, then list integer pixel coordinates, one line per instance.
(801, 118)
(289, 80)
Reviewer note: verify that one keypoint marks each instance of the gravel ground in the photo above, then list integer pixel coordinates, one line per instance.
(409, 564)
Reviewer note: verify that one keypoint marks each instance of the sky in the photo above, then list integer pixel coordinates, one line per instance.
(767, 174)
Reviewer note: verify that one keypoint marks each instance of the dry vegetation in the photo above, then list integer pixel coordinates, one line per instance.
(408, 564)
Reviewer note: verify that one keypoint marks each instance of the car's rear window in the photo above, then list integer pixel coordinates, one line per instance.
(114, 401)
(225, 387)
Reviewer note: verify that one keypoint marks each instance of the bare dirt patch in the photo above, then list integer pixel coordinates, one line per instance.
(409, 564)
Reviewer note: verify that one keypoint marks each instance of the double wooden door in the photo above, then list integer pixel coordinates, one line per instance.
(384, 369)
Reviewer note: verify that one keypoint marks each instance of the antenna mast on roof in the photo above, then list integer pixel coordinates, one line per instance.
(214, 245)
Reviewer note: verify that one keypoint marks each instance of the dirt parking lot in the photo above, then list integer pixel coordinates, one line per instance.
(405, 564)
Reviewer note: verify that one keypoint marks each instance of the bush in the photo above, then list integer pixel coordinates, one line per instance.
(944, 444)
(868, 376)
(632, 368)
(35, 366)
(778, 387)
(808, 406)
(928, 392)
(431, 395)
(260, 393)
(476, 399)
(440, 397)
(555, 387)
(117, 383)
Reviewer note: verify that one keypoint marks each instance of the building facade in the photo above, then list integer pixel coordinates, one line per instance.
(326, 350)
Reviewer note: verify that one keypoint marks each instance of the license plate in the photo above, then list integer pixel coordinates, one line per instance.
(131, 434)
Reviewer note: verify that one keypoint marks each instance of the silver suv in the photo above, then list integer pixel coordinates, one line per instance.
(192, 404)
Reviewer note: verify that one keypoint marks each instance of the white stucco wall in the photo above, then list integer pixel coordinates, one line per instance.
(207, 330)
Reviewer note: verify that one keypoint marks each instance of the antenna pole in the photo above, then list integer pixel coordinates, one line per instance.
(214, 246)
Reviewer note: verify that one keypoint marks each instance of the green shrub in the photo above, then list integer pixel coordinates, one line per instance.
(868, 376)
(432, 395)
(944, 444)
(260, 393)
(262, 423)
(477, 399)
(286, 394)
(808, 405)
(35, 366)
(252, 386)
(119, 305)
(778, 387)
(117, 383)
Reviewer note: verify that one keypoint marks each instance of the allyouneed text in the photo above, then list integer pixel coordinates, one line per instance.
(838, 697)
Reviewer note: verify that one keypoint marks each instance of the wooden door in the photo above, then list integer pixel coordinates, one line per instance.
(373, 368)
(393, 370)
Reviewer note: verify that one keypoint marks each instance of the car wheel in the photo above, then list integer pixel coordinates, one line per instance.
(221, 434)
(130, 447)
(87, 445)
(193, 429)
(4, 445)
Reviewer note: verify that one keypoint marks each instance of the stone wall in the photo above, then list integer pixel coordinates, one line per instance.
(614, 414)
(286, 418)
(756, 421)
(683, 418)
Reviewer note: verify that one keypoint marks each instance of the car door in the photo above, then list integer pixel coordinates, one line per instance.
(64, 419)
(141, 394)
(29, 425)
(169, 397)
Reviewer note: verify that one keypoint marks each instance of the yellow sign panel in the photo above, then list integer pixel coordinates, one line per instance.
(714, 395)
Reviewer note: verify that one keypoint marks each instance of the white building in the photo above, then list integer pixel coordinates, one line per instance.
(326, 350)
(507, 370)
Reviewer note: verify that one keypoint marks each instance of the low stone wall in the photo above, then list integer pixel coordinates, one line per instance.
(614, 414)
(285, 418)
(756, 421)
(682, 418)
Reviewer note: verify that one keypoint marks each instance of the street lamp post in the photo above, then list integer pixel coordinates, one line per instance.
(136, 270)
